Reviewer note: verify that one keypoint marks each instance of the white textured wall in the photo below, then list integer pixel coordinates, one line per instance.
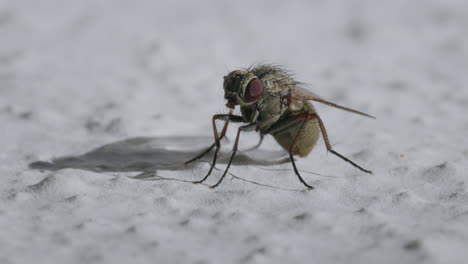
(75, 75)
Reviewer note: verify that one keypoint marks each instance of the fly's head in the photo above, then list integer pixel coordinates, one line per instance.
(241, 88)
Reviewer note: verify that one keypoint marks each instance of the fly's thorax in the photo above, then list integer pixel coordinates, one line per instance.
(295, 105)
(275, 102)
(270, 108)
(298, 106)
(277, 83)
(274, 109)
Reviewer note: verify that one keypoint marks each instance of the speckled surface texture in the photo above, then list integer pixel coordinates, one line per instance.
(76, 75)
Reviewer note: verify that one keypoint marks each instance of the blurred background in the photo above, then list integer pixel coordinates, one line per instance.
(133, 68)
(78, 74)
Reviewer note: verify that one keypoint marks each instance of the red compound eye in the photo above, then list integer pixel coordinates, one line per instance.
(254, 90)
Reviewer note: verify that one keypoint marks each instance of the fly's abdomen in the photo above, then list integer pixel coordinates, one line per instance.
(306, 140)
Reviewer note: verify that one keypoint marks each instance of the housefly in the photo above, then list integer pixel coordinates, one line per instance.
(273, 103)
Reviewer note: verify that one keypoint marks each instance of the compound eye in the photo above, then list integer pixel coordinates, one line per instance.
(254, 90)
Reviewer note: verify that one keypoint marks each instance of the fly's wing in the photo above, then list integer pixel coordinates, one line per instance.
(303, 94)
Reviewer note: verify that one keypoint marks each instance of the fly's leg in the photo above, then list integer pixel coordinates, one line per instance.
(229, 117)
(258, 144)
(307, 116)
(291, 149)
(249, 127)
(223, 133)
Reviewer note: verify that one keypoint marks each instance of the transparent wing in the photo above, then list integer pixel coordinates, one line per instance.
(303, 94)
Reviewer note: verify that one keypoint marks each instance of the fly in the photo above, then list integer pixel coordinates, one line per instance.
(273, 103)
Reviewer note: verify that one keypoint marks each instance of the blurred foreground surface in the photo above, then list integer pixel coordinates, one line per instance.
(75, 75)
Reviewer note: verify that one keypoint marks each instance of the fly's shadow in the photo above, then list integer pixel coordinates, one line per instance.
(149, 154)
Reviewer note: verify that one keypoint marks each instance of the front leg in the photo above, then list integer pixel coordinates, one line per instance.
(227, 118)
(249, 127)
(223, 133)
